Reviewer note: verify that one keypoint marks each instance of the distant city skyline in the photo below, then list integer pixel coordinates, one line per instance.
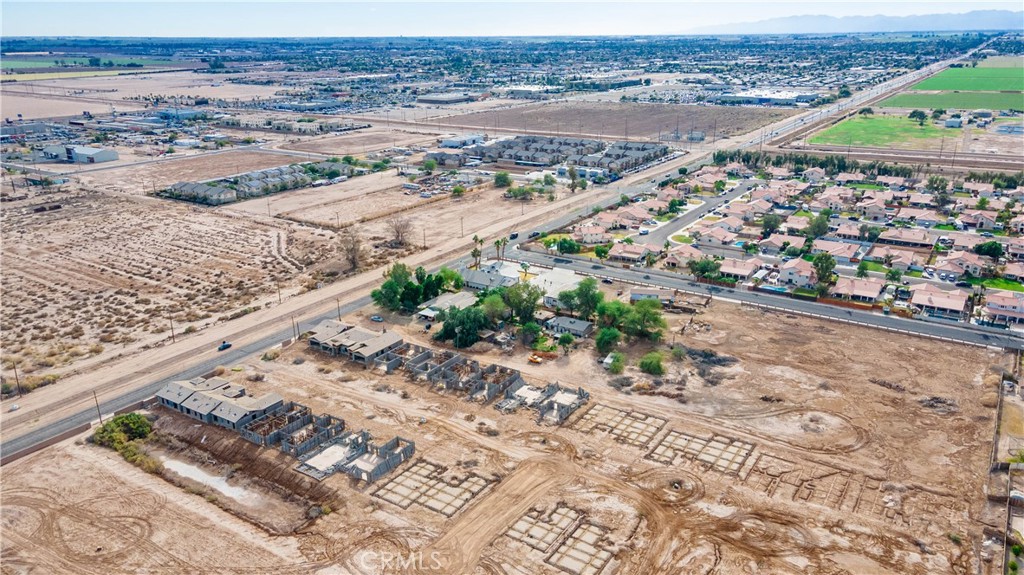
(194, 18)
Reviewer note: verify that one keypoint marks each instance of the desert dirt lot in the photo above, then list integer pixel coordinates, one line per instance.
(361, 142)
(612, 120)
(41, 105)
(810, 451)
(337, 204)
(170, 84)
(106, 271)
(160, 174)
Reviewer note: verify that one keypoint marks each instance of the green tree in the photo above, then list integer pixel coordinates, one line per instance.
(893, 275)
(349, 160)
(873, 233)
(862, 269)
(704, 268)
(502, 179)
(601, 252)
(719, 186)
(567, 300)
(583, 184)
(566, 340)
(606, 339)
(450, 279)
(992, 249)
(549, 180)
(645, 320)
(936, 184)
(818, 226)
(651, 363)
(388, 296)
(529, 333)
(770, 224)
(429, 166)
(122, 429)
(612, 313)
(462, 326)
(522, 299)
(982, 204)
(919, 116)
(588, 297)
(494, 308)
(824, 264)
(567, 246)
(865, 111)
(574, 180)
(458, 191)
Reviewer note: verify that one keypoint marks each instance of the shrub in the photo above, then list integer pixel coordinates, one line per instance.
(1016, 550)
(651, 363)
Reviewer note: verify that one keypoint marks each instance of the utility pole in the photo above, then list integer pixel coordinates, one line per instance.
(462, 225)
(279, 292)
(172, 329)
(97, 407)
(424, 237)
(338, 301)
(17, 380)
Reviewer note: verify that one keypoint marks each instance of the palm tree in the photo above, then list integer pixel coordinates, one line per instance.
(497, 249)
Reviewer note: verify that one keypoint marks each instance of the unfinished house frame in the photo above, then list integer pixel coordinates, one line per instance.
(560, 402)
(320, 430)
(269, 429)
(493, 380)
(400, 356)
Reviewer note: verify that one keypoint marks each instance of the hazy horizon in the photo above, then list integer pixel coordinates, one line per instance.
(235, 19)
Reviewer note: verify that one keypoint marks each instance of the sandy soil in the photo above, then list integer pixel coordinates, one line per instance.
(142, 179)
(614, 120)
(361, 142)
(42, 105)
(106, 272)
(170, 84)
(338, 204)
(839, 474)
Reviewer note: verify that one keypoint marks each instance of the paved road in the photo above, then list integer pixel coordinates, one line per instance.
(659, 236)
(664, 279)
(975, 335)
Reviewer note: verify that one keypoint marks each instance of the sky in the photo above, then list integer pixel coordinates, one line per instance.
(282, 18)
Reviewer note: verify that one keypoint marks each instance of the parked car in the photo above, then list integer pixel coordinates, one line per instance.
(223, 345)
(534, 234)
(963, 284)
(943, 277)
(606, 281)
(513, 235)
(644, 232)
(986, 234)
(376, 318)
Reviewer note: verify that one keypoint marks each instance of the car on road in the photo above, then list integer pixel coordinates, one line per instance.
(223, 346)
(964, 284)
(986, 234)
(606, 281)
(513, 235)
(376, 318)
(534, 234)
(14, 407)
(644, 232)
(854, 218)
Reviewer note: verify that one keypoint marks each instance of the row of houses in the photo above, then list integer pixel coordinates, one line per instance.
(259, 183)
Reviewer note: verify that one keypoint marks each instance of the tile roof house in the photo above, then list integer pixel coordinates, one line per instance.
(936, 302)
(1002, 306)
(798, 272)
(859, 289)
(773, 244)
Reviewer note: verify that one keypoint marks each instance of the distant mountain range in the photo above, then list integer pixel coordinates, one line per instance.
(975, 20)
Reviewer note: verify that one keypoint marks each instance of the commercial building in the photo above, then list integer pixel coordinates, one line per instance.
(79, 154)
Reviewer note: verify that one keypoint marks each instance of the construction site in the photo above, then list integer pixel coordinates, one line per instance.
(789, 458)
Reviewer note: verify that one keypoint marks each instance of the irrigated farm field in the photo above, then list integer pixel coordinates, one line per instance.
(611, 120)
(876, 130)
(974, 80)
(800, 447)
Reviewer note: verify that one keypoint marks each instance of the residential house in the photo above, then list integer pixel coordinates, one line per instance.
(574, 326)
(1005, 307)
(906, 237)
(777, 243)
(872, 209)
(1016, 225)
(813, 175)
(1014, 271)
(680, 255)
(663, 295)
(980, 189)
(630, 253)
(739, 170)
(847, 231)
(739, 270)
(731, 223)
(796, 224)
(778, 173)
(554, 282)
(1014, 248)
(919, 216)
(979, 219)
(900, 259)
(967, 262)
(918, 200)
(844, 178)
(859, 289)
(798, 272)
(936, 302)
(654, 206)
(845, 253)
(891, 182)
(992, 204)
(591, 235)
(716, 236)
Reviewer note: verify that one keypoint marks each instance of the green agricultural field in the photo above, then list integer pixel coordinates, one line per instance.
(974, 80)
(22, 63)
(956, 101)
(876, 131)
